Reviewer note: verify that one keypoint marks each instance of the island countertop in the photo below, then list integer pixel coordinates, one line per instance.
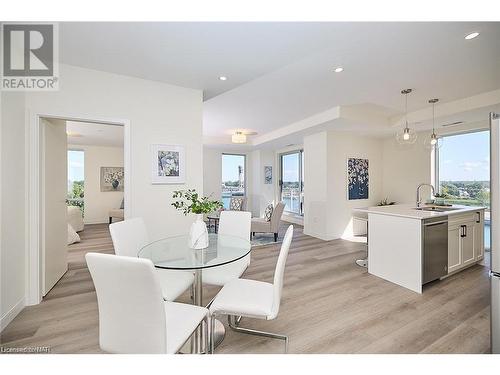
(409, 211)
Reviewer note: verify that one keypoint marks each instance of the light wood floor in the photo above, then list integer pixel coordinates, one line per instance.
(329, 305)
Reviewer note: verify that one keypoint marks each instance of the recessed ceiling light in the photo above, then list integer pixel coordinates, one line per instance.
(338, 70)
(223, 78)
(471, 35)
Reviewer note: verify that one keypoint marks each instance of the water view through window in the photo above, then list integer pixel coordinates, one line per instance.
(464, 171)
(233, 177)
(292, 181)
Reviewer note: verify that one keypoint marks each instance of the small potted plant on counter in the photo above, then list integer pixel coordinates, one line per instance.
(189, 201)
(439, 199)
(386, 202)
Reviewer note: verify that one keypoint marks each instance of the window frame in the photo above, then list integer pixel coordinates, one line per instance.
(301, 175)
(244, 169)
(436, 154)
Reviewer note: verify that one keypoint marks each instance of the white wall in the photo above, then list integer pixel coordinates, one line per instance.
(316, 186)
(212, 172)
(327, 211)
(158, 113)
(404, 168)
(341, 146)
(97, 202)
(262, 194)
(12, 206)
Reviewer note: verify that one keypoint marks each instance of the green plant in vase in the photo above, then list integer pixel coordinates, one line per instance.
(189, 201)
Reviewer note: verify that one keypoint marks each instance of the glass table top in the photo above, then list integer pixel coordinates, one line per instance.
(174, 252)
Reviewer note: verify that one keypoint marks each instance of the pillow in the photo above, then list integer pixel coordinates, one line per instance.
(72, 235)
(268, 213)
(236, 204)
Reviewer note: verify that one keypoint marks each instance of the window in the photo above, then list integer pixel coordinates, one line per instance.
(463, 171)
(75, 196)
(233, 177)
(292, 181)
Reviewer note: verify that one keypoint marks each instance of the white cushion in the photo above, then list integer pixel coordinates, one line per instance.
(72, 235)
(268, 213)
(174, 283)
(75, 218)
(182, 319)
(244, 297)
(221, 275)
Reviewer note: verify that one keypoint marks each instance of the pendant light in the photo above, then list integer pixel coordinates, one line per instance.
(406, 136)
(433, 141)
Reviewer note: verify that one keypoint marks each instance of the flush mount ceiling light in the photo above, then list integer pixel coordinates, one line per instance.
(223, 78)
(471, 35)
(338, 69)
(406, 136)
(240, 136)
(433, 141)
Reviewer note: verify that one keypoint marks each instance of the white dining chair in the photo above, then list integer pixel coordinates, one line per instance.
(133, 317)
(129, 236)
(253, 299)
(237, 224)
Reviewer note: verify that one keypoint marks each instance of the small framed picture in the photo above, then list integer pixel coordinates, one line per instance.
(111, 178)
(268, 174)
(168, 164)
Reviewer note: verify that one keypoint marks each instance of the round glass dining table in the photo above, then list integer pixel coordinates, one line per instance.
(173, 253)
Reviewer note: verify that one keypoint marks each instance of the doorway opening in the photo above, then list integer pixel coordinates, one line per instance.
(82, 184)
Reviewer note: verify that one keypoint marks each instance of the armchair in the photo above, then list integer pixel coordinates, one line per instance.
(261, 225)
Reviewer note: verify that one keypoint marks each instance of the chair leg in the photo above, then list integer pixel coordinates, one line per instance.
(110, 219)
(258, 333)
(207, 331)
(275, 237)
(212, 336)
(236, 322)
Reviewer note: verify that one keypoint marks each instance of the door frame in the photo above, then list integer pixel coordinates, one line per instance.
(34, 271)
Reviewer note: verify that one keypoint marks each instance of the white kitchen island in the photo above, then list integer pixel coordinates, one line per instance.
(396, 240)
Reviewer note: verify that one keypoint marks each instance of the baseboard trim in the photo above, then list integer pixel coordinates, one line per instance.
(11, 314)
(293, 219)
(321, 236)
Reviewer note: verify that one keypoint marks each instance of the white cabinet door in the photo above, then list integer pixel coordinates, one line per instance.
(454, 249)
(467, 238)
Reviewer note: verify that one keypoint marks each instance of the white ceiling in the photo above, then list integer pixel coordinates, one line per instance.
(379, 60)
(191, 54)
(86, 133)
(281, 73)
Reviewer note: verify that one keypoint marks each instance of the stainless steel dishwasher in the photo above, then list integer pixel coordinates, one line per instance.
(435, 248)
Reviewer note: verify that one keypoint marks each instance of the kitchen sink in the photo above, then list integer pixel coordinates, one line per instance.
(436, 209)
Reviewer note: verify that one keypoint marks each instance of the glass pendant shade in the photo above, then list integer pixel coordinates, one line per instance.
(406, 136)
(432, 141)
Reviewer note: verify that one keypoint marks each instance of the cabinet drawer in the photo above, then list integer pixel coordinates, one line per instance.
(457, 220)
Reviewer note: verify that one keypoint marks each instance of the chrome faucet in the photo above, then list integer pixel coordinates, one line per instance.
(419, 201)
